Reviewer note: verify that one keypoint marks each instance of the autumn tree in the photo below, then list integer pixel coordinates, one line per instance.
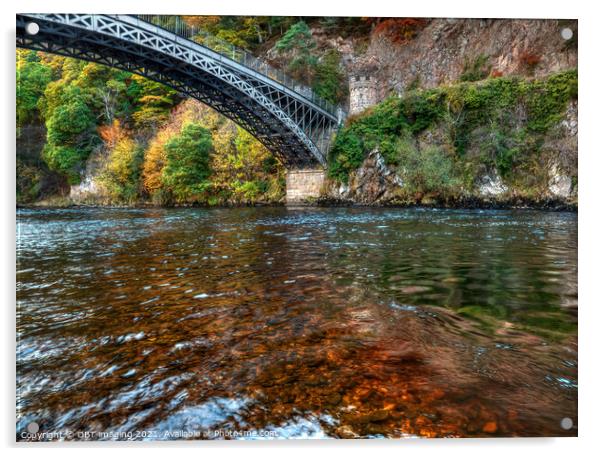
(121, 176)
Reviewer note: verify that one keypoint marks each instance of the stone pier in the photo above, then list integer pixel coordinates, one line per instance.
(303, 185)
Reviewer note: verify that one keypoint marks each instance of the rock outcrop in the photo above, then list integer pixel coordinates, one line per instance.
(373, 183)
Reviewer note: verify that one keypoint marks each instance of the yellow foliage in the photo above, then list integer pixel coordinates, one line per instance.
(154, 161)
(121, 174)
(122, 159)
(203, 22)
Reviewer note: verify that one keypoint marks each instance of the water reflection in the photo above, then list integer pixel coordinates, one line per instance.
(297, 323)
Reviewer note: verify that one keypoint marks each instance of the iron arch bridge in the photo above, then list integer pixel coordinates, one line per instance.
(287, 118)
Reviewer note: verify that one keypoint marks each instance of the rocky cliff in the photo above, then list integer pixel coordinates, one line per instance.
(446, 49)
(520, 153)
(427, 53)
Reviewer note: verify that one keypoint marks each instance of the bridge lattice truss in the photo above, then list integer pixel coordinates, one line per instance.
(296, 130)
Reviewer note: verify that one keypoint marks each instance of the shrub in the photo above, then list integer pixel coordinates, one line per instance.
(426, 171)
(529, 60)
(400, 30)
(476, 69)
(67, 160)
(297, 37)
(347, 154)
(547, 99)
(328, 81)
(249, 191)
(422, 109)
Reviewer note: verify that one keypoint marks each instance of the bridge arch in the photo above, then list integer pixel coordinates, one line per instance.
(295, 128)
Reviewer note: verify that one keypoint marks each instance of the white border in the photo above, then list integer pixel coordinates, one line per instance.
(590, 221)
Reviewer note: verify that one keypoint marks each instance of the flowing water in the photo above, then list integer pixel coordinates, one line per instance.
(279, 322)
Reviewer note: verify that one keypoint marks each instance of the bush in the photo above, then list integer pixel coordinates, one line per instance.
(347, 155)
(476, 69)
(400, 30)
(423, 109)
(32, 79)
(249, 191)
(328, 81)
(529, 60)
(426, 171)
(547, 99)
(297, 37)
(66, 160)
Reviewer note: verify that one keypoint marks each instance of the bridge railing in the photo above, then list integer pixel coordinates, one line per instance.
(176, 24)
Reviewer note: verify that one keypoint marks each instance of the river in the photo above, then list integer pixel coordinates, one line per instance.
(282, 323)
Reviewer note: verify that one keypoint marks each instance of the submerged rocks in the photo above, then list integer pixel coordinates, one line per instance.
(370, 417)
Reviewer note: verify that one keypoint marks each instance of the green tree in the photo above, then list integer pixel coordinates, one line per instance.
(299, 41)
(105, 91)
(70, 136)
(329, 81)
(152, 102)
(297, 37)
(32, 79)
(186, 170)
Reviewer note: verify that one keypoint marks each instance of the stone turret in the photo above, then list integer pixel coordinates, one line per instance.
(362, 93)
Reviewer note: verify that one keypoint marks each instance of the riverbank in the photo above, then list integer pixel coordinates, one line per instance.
(501, 142)
(550, 204)
(554, 205)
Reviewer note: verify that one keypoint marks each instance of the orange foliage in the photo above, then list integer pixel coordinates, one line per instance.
(400, 30)
(154, 160)
(529, 59)
(111, 133)
(496, 74)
